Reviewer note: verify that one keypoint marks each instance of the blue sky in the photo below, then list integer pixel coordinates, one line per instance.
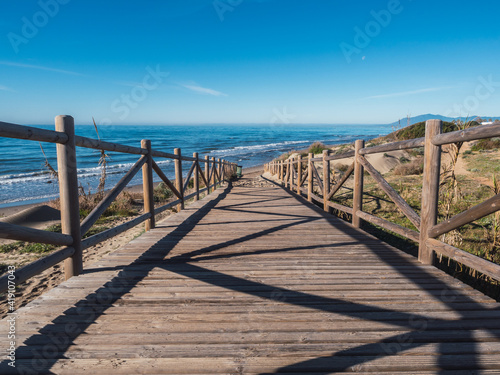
(247, 61)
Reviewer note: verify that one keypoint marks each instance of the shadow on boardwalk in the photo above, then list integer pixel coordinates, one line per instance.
(40, 352)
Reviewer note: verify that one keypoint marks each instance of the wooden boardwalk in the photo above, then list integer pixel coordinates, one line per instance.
(254, 280)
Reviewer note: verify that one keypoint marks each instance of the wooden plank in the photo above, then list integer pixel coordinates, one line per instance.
(111, 196)
(408, 233)
(357, 199)
(470, 260)
(430, 189)
(30, 133)
(396, 198)
(340, 207)
(318, 178)
(393, 146)
(20, 233)
(341, 182)
(471, 134)
(97, 144)
(483, 209)
(112, 232)
(37, 267)
(345, 155)
(165, 179)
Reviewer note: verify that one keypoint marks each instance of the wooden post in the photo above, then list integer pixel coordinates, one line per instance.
(430, 189)
(280, 163)
(178, 177)
(310, 177)
(357, 200)
(207, 173)
(214, 180)
(197, 177)
(291, 175)
(68, 192)
(299, 173)
(219, 169)
(326, 180)
(147, 186)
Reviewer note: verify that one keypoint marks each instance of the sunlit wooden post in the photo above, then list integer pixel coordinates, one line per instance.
(68, 192)
(326, 179)
(309, 176)
(299, 173)
(178, 177)
(357, 201)
(196, 180)
(219, 171)
(207, 173)
(147, 186)
(291, 174)
(280, 170)
(213, 180)
(430, 189)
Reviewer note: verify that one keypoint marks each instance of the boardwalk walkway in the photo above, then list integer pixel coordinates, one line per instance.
(254, 280)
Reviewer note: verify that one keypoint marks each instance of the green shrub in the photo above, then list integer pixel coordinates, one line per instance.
(38, 248)
(415, 167)
(162, 192)
(486, 144)
(418, 130)
(317, 148)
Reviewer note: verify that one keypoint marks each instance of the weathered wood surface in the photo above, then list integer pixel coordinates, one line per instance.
(255, 280)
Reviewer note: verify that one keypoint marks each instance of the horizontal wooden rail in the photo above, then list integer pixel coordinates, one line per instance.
(471, 134)
(108, 146)
(37, 267)
(67, 142)
(340, 207)
(470, 260)
(405, 232)
(427, 226)
(394, 146)
(345, 155)
(477, 212)
(112, 232)
(33, 134)
(111, 196)
(20, 233)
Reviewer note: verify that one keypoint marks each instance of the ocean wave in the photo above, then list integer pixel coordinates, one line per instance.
(265, 147)
(83, 173)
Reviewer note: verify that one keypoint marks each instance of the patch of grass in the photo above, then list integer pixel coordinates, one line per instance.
(37, 248)
(418, 130)
(317, 148)
(415, 167)
(10, 247)
(486, 144)
(162, 193)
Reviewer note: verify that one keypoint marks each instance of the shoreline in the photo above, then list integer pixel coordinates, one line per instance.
(7, 212)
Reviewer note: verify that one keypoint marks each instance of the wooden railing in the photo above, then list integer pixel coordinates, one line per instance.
(214, 174)
(290, 174)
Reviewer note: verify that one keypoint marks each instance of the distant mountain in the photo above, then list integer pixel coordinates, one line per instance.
(414, 120)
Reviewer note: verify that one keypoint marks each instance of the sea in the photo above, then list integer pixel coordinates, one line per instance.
(25, 178)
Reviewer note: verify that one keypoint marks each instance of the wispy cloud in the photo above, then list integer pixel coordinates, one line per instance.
(5, 88)
(29, 66)
(202, 90)
(407, 93)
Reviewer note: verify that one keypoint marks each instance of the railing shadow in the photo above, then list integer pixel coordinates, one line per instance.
(56, 337)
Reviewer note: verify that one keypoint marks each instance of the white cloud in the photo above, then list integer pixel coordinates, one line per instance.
(28, 66)
(407, 93)
(202, 90)
(5, 88)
